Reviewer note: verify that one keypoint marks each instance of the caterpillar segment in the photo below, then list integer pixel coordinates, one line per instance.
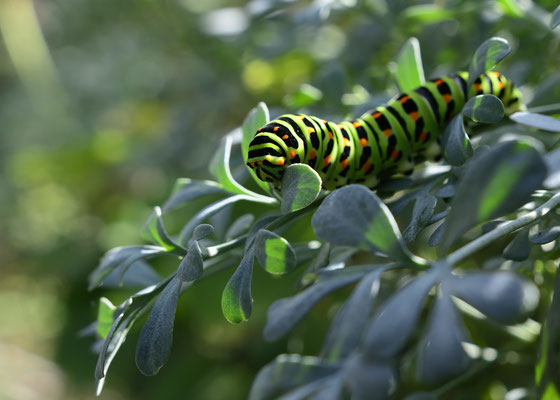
(385, 141)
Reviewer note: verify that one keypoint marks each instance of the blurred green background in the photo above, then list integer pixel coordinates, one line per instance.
(104, 104)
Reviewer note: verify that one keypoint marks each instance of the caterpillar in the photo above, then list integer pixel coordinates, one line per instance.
(385, 141)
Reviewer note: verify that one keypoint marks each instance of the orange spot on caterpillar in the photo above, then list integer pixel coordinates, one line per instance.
(501, 85)
(330, 134)
(387, 132)
(344, 164)
(312, 155)
(376, 115)
(414, 115)
(310, 129)
(367, 166)
(423, 136)
(260, 129)
(285, 137)
(478, 86)
(346, 142)
(356, 124)
(497, 74)
(324, 121)
(446, 98)
(281, 161)
(275, 128)
(438, 82)
(404, 99)
(292, 155)
(327, 160)
(363, 142)
(395, 155)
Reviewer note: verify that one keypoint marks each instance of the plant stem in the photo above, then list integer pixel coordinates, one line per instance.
(503, 230)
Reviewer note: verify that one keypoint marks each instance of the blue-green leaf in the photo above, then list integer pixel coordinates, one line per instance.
(191, 266)
(441, 351)
(355, 216)
(394, 323)
(286, 372)
(274, 253)
(285, 313)
(187, 190)
(154, 344)
(456, 144)
(495, 183)
(202, 231)
(120, 258)
(237, 302)
(519, 248)
(485, 108)
(545, 236)
(501, 295)
(410, 72)
(538, 121)
(300, 187)
(555, 18)
(154, 230)
(488, 54)
(347, 328)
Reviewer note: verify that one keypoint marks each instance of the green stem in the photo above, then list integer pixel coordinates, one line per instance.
(503, 230)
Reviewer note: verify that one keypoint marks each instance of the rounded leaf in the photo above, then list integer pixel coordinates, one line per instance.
(519, 248)
(364, 377)
(501, 295)
(441, 353)
(396, 319)
(300, 187)
(355, 216)
(202, 231)
(237, 302)
(546, 236)
(488, 54)
(500, 181)
(274, 253)
(485, 108)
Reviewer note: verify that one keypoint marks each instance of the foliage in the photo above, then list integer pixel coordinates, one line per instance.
(378, 341)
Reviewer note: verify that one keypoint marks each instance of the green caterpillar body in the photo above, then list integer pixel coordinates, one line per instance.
(384, 141)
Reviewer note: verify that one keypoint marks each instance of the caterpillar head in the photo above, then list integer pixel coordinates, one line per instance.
(267, 159)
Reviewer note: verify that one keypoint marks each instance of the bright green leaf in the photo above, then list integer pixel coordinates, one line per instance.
(257, 118)
(274, 253)
(219, 167)
(105, 317)
(305, 96)
(155, 231)
(300, 187)
(485, 108)
(410, 72)
(427, 13)
(237, 302)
